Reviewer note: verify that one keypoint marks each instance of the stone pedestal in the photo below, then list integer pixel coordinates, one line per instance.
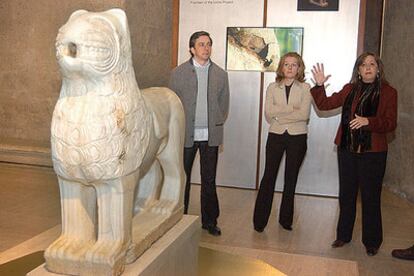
(175, 253)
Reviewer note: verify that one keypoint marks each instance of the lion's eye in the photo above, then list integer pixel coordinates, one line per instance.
(72, 49)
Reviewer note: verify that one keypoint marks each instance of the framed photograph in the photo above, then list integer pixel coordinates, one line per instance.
(259, 49)
(318, 5)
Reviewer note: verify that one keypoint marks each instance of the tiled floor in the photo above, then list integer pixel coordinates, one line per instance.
(29, 205)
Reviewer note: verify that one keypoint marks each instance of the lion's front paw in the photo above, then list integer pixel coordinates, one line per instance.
(66, 254)
(106, 258)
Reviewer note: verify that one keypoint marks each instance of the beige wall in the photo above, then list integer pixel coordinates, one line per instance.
(398, 57)
(29, 76)
(151, 33)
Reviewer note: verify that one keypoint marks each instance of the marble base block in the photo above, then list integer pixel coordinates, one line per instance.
(175, 253)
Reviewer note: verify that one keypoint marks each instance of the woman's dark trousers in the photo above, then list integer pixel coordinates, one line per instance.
(364, 171)
(277, 144)
(208, 167)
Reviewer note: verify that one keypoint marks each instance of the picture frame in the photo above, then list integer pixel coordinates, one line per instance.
(318, 5)
(260, 48)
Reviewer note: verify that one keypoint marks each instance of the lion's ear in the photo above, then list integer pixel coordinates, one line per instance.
(77, 14)
(120, 15)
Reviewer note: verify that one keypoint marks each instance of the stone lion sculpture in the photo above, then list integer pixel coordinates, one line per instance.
(117, 151)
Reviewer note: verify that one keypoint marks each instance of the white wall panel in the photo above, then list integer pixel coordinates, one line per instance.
(331, 38)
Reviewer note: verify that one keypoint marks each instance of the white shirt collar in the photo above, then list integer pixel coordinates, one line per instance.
(196, 64)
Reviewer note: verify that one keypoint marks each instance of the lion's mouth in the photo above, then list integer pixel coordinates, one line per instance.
(82, 51)
(66, 50)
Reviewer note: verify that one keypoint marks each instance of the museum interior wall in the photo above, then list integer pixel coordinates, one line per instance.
(30, 81)
(373, 23)
(398, 57)
(29, 76)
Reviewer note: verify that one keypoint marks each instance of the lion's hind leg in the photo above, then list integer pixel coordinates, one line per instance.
(171, 160)
(148, 191)
(78, 204)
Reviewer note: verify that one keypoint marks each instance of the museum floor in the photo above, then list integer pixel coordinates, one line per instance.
(29, 205)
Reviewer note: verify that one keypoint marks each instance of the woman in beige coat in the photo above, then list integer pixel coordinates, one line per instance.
(287, 109)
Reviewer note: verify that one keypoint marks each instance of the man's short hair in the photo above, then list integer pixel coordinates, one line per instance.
(196, 35)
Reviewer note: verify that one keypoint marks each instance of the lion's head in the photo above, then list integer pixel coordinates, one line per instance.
(100, 125)
(93, 44)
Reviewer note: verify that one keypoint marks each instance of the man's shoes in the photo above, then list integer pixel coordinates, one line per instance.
(405, 254)
(212, 229)
(372, 251)
(338, 243)
(286, 227)
(259, 229)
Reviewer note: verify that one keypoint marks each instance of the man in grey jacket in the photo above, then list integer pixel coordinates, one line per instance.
(203, 88)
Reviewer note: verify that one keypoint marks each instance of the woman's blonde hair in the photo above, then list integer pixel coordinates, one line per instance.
(301, 67)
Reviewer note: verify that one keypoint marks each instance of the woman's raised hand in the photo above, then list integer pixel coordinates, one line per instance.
(319, 74)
